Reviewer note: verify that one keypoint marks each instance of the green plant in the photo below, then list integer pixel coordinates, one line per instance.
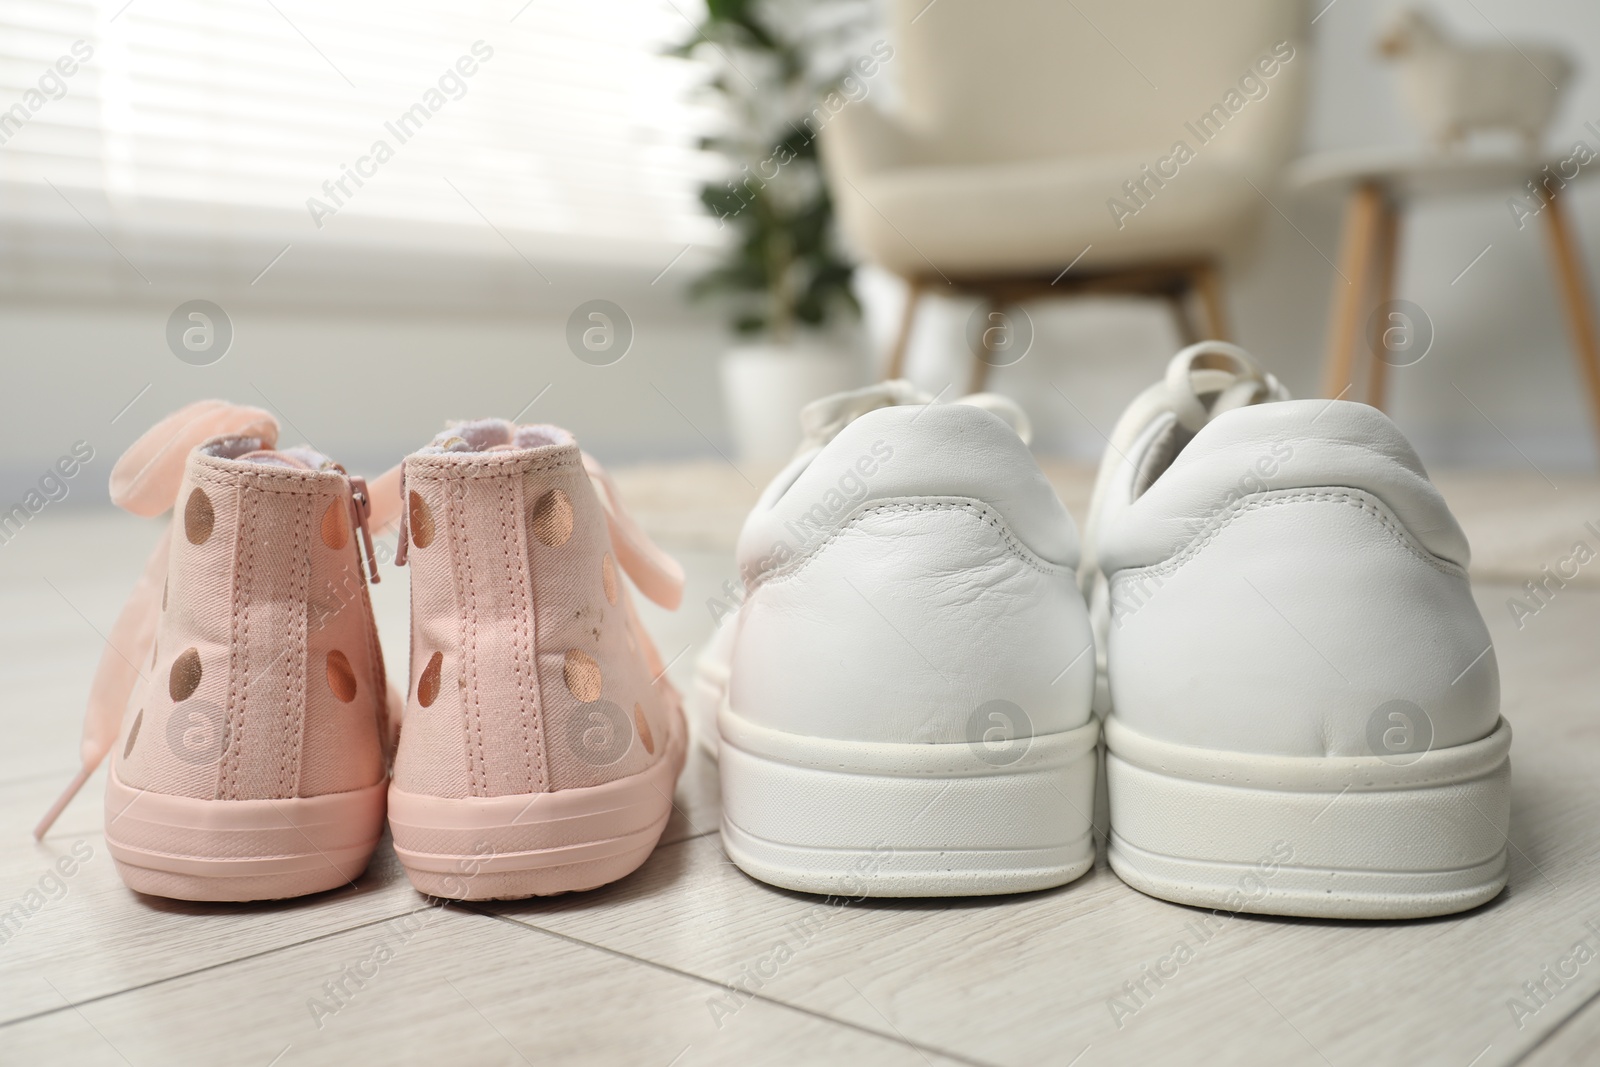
(783, 269)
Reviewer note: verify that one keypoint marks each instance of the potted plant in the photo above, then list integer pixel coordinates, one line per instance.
(783, 276)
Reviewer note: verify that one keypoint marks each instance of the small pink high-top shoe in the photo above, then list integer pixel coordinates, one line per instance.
(542, 742)
(249, 762)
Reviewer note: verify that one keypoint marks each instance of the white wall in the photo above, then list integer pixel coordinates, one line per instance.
(364, 388)
(479, 336)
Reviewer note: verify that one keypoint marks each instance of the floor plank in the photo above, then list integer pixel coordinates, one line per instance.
(1575, 1041)
(435, 986)
(91, 937)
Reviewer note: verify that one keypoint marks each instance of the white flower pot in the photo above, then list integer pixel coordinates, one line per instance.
(765, 385)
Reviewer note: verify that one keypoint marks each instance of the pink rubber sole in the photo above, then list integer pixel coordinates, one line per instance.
(539, 844)
(238, 850)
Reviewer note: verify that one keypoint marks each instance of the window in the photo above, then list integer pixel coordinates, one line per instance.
(561, 125)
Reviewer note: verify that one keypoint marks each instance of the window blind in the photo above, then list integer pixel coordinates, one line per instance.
(395, 121)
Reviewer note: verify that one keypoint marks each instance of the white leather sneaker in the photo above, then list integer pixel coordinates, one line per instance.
(820, 423)
(1303, 699)
(907, 711)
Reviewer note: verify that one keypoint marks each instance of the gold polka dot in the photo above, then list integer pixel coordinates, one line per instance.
(608, 577)
(644, 730)
(583, 675)
(333, 525)
(185, 676)
(341, 679)
(552, 518)
(133, 734)
(421, 522)
(428, 684)
(198, 517)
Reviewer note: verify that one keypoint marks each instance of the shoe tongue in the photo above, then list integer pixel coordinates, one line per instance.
(479, 435)
(822, 420)
(299, 458)
(494, 435)
(270, 458)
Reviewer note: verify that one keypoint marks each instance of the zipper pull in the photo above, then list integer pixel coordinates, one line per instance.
(361, 504)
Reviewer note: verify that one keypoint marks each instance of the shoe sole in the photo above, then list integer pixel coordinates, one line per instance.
(898, 820)
(1320, 837)
(186, 848)
(536, 844)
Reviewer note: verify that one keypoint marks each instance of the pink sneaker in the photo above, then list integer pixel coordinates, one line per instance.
(249, 763)
(542, 743)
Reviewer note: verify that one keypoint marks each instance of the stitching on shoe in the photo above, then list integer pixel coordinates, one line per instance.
(982, 512)
(438, 468)
(466, 679)
(239, 665)
(1356, 498)
(261, 478)
(294, 673)
(519, 666)
(541, 726)
(541, 733)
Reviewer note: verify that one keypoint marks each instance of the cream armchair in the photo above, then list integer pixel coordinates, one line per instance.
(1132, 143)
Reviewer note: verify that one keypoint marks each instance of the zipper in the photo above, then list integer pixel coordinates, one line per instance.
(361, 507)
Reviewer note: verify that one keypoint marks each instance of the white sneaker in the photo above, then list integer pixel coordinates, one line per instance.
(1303, 699)
(820, 423)
(908, 705)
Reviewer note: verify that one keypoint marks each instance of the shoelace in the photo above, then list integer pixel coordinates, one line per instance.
(1202, 381)
(146, 481)
(822, 420)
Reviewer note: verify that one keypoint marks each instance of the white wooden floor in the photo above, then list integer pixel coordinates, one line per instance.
(637, 973)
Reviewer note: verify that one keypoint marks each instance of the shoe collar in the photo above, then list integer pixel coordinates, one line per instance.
(1202, 382)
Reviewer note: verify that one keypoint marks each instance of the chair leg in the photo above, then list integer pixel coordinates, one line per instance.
(1575, 298)
(1182, 317)
(1207, 281)
(1388, 249)
(908, 318)
(1355, 259)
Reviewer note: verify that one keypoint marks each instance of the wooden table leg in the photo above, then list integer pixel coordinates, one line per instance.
(1388, 247)
(908, 317)
(1207, 280)
(1568, 265)
(1350, 285)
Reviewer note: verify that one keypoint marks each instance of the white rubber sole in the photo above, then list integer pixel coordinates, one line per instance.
(1329, 837)
(239, 850)
(905, 820)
